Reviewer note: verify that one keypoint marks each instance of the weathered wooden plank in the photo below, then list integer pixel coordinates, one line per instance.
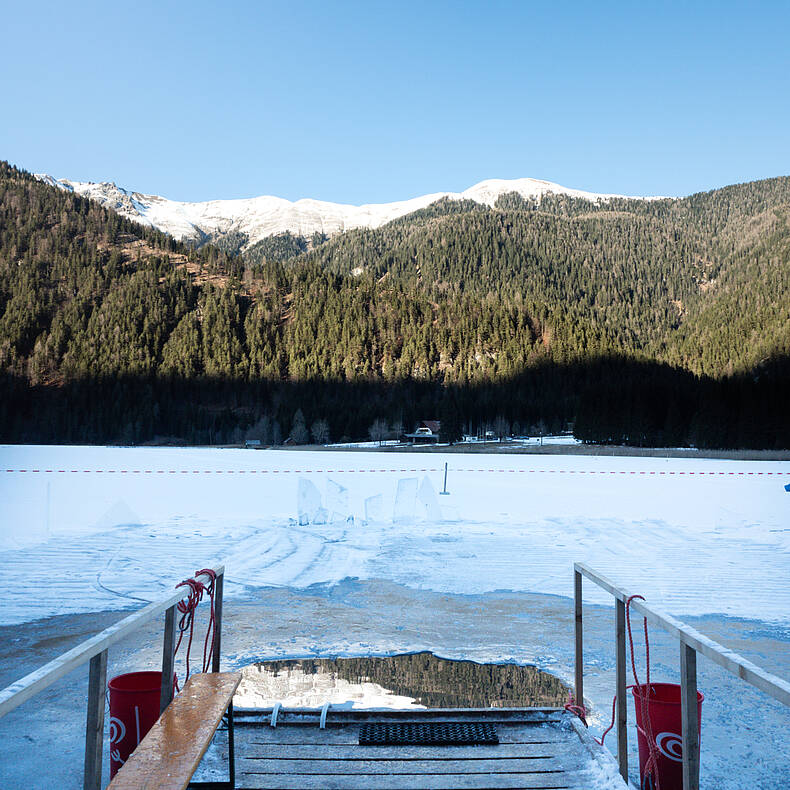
(309, 732)
(620, 683)
(555, 781)
(438, 767)
(23, 689)
(395, 714)
(352, 751)
(94, 728)
(171, 751)
(689, 717)
(334, 723)
(338, 736)
(348, 734)
(772, 685)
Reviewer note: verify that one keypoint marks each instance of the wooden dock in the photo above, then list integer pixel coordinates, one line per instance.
(538, 748)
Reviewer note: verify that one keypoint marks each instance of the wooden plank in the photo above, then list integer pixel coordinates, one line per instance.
(353, 751)
(270, 751)
(556, 781)
(364, 767)
(579, 639)
(394, 714)
(772, 685)
(689, 717)
(23, 689)
(621, 712)
(171, 751)
(348, 735)
(94, 727)
(168, 660)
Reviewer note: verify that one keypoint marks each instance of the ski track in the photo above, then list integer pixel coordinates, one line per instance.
(715, 541)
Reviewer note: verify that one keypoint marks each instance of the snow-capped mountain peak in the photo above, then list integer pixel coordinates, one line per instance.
(267, 215)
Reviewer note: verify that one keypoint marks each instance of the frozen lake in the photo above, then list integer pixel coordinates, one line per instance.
(87, 529)
(337, 553)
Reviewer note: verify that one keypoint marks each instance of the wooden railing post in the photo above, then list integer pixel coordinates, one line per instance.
(689, 716)
(219, 585)
(578, 631)
(94, 727)
(168, 659)
(622, 702)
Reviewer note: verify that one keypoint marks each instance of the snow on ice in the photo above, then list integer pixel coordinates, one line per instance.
(117, 525)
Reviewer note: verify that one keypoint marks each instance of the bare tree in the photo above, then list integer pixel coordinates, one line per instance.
(320, 431)
(378, 431)
(396, 429)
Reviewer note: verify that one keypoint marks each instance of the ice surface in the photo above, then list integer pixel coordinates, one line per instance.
(337, 501)
(308, 502)
(405, 501)
(428, 502)
(374, 508)
(695, 536)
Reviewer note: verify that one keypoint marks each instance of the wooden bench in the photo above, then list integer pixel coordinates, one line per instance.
(170, 753)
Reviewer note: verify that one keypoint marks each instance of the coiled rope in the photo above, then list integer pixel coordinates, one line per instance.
(186, 623)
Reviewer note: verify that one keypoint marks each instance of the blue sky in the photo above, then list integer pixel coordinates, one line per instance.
(373, 102)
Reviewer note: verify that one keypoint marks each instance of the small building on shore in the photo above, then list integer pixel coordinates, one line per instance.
(426, 432)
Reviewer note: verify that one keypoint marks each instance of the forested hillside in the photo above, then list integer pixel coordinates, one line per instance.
(661, 322)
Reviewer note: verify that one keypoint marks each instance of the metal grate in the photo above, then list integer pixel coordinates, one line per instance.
(433, 733)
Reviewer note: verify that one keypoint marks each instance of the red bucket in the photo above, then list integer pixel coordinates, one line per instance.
(134, 708)
(663, 710)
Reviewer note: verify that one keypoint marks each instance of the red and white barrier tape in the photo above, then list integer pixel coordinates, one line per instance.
(378, 471)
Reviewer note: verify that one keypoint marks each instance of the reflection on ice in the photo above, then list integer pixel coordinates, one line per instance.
(413, 680)
(296, 687)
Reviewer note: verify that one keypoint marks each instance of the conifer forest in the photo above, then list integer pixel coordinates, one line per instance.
(652, 323)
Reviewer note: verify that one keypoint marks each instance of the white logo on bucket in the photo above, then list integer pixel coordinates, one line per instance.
(117, 730)
(670, 745)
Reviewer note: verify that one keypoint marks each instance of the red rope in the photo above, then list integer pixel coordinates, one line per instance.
(187, 608)
(208, 643)
(606, 731)
(651, 765)
(578, 710)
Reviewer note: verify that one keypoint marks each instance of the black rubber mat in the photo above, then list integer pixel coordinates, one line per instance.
(430, 733)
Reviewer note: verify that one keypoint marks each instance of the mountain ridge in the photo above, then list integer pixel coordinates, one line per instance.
(260, 217)
(646, 322)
